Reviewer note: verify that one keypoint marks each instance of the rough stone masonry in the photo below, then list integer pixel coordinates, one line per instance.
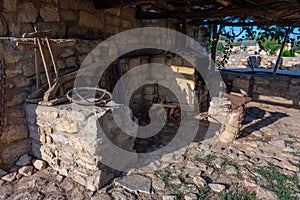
(72, 143)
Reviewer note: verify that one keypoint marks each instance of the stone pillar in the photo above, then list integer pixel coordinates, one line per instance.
(232, 126)
(74, 142)
(234, 118)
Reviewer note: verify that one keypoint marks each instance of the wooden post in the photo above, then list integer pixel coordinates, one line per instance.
(215, 39)
(37, 66)
(281, 50)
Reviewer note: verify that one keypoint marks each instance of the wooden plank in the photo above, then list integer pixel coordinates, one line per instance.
(237, 94)
(27, 45)
(166, 105)
(54, 102)
(36, 34)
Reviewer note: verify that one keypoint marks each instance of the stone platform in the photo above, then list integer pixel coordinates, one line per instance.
(73, 141)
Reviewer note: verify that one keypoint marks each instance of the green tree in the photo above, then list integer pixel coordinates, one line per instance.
(269, 45)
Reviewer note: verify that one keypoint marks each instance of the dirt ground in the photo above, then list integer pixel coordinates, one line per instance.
(263, 163)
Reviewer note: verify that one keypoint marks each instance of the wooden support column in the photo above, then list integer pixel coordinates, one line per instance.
(215, 39)
(281, 50)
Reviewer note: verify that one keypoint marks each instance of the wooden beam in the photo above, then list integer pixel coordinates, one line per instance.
(224, 2)
(105, 4)
(27, 45)
(205, 14)
(261, 16)
(215, 39)
(39, 34)
(238, 24)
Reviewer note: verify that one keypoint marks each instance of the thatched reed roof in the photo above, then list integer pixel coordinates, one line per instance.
(263, 12)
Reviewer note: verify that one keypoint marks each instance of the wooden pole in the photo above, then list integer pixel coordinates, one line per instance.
(44, 61)
(281, 50)
(37, 66)
(215, 39)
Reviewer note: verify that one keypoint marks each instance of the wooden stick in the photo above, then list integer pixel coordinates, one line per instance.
(52, 58)
(56, 71)
(27, 45)
(37, 66)
(33, 100)
(36, 34)
(237, 94)
(39, 92)
(281, 50)
(44, 61)
(54, 101)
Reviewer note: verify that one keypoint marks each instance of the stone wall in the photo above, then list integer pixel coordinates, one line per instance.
(20, 82)
(69, 19)
(240, 60)
(66, 19)
(279, 90)
(146, 95)
(81, 27)
(72, 143)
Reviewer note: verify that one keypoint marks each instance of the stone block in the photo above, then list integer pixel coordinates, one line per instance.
(159, 59)
(39, 164)
(12, 152)
(128, 13)
(10, 177)
(87, 19)
(26, 170)
(126, 24)
(113, 11)
(261, 80)
(10, 5)
(112, 30)
(14, 134)
(13, 72)
(241, 83)
(68, 15)
(113, 21)
(24, 160)
(295, 82)
(12, 57)
(3, 27)
(134, 63)
(28, 70)
(21, 81)
(65, 126)
(69, 5)
(49, 13)
(27, 13)
(49, 112)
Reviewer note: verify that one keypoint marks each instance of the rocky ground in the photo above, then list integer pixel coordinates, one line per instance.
(263, 163)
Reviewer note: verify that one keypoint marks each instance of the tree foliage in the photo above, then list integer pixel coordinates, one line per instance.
(269, 45)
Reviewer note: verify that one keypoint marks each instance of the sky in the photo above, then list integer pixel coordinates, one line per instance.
(238, 29)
